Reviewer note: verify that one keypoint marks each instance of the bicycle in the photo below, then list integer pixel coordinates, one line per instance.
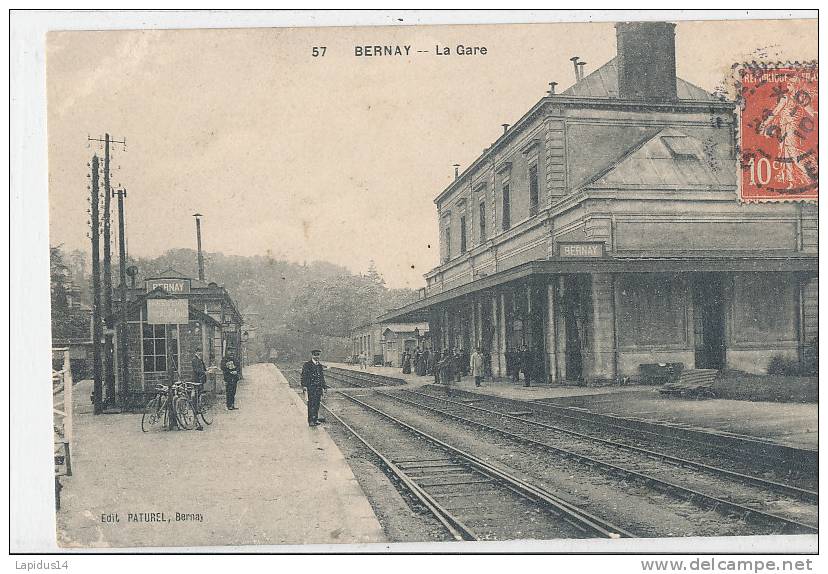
(200, 401)
(163, 412)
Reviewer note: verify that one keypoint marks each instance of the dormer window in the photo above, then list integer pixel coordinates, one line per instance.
(682, 147)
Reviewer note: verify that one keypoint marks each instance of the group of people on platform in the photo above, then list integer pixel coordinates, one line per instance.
(450, 364)
(420, 360)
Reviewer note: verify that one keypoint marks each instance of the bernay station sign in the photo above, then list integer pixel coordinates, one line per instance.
(581, 250)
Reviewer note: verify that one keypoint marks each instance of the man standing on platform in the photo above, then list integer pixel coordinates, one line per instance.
(477, 366)
(526, 365)
(512, 369)
(445, 368)
(313, 379)
(230, 369)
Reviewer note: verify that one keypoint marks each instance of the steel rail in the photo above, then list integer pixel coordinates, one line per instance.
(294, 376)
(694, 496)
(801, 493)
(803, 458)
(577, 517)
(373, 379)
(351, 381)
(453, 525)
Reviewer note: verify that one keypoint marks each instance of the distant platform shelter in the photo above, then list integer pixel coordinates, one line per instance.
(385, 343)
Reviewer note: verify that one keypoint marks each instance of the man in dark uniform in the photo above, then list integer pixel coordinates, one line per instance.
(199, 369)
(313, 379)
(512, 364)
(526, 365)
(230, 369)
(444, 367)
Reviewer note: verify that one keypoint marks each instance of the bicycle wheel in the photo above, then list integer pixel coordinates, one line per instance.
(205, 406)
(184, 413)
(153, 415)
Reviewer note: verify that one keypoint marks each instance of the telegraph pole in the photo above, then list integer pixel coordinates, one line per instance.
(122, 289)
(97, 389)
(109, 367)
(109, 370)
(198, 217)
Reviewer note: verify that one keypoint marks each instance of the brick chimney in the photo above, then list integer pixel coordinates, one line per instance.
(646, 60)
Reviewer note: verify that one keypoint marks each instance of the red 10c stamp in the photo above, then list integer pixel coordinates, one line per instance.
(779, 147)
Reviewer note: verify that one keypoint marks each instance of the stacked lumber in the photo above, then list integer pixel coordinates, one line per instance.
(696, 383)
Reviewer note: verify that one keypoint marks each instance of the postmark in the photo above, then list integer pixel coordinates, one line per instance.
(778, 129)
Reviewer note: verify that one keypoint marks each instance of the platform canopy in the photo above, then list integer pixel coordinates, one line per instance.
(736, 262)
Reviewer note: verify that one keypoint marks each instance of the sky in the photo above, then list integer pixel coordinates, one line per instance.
(335, 157)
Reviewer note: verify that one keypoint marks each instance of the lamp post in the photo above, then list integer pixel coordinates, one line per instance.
(198, 217)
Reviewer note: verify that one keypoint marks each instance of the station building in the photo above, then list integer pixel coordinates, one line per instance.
(603, 231)
(385, 343)
(169, 319)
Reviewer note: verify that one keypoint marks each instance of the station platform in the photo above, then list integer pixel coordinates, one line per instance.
(787, 424)
(256, 476)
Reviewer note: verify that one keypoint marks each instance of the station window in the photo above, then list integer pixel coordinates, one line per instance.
(156, 341)
(764, 309)
(507, 208)
(651, 308)
(533, 190)
(482, 222)
(448, 243)
(462, 234)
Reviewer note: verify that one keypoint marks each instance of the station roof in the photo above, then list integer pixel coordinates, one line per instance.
(587, 154)
(603, 83)
(668, 159)
(406, 327)
(685, 262)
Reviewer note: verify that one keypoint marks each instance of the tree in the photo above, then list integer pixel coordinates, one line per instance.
(67, 323)
(58, 272)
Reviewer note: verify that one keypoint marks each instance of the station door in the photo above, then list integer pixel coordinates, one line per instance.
(709, 321)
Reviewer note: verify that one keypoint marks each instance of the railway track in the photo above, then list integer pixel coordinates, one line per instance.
(472, 499)
(345, 378)
(744, 455)
(789, 465)
(647, 450)
(362, 378)
(705, 486)
(747, 449)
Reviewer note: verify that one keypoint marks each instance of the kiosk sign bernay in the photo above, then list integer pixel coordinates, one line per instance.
(171, 286)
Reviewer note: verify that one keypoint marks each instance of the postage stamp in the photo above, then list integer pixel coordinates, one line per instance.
(779, 132)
